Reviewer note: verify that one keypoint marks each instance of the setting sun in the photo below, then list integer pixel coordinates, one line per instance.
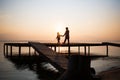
(60, 28)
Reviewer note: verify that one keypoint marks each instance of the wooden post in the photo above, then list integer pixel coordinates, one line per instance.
(6, 50)
(55, 48)
(68, 49)
(107, 50)
(19, 50)
(11, 50)
(29, 51)
(89, 50)
(78, 49)
(85, 50)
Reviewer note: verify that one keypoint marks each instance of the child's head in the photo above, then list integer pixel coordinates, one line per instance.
(58, 33)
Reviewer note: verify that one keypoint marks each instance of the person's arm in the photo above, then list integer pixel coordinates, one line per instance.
(61, 35)
(64, 34)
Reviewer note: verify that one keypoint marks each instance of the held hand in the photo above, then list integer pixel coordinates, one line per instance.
(61, 35)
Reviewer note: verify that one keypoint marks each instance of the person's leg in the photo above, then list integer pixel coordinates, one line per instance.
(58, 41)
(68, 41)
(64, 40)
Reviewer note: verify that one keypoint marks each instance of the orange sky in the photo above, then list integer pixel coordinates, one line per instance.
(88, 20)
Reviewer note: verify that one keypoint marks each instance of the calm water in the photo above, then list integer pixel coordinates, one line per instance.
(10, 70)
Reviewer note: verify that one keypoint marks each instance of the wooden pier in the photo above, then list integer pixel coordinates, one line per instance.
(11, 45)
(45, 50)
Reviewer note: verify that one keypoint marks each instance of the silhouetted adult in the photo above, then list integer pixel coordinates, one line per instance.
(66, 34)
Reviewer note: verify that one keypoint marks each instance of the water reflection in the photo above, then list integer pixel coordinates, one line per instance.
(43, 69)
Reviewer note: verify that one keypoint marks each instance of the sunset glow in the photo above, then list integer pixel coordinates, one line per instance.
(88, 20)
(60, 28)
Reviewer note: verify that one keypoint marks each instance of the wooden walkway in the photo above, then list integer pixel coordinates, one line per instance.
(57, 60)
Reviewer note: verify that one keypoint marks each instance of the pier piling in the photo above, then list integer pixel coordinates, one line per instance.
(7, 50)
(106, 50)
(19, 50)
(29, 51)
(79, 50)
(4, 49)
(11, 50)
(85, 50)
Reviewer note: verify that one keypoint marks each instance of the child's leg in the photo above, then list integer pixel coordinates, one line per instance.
(58, 40)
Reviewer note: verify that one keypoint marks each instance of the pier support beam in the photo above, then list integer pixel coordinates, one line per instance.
(68, 49)
(85, 50)
(11, 50)
(55, 48)
(106, 50)
(6, 50)
(19, 50)
(29, 51)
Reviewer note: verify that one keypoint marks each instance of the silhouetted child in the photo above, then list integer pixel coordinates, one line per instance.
(58, 37)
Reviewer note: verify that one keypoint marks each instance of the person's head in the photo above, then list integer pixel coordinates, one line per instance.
(66, 28)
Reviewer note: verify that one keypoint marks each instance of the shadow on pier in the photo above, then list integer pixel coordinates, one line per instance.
(39, 65)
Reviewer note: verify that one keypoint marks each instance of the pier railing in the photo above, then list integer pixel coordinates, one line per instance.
(86, 46)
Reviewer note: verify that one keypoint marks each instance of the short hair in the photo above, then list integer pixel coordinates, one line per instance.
(66, 27)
